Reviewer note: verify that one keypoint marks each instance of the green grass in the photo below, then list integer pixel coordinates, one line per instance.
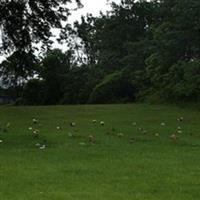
(151, 168)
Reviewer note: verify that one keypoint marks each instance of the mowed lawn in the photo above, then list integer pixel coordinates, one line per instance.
(124, 160)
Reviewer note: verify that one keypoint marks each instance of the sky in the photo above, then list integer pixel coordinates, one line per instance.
(90, 6)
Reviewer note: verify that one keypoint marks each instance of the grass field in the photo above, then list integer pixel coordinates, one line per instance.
(121, 160)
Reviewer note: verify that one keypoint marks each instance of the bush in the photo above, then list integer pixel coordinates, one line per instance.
(183, 82)
(34, 92)
(114, 88)
(79, 84)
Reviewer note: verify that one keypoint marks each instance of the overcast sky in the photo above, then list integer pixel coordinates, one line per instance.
(90, 6)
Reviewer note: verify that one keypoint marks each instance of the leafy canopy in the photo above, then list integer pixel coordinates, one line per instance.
(24, 22)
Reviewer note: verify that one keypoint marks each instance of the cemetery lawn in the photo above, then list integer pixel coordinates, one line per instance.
(142, 152)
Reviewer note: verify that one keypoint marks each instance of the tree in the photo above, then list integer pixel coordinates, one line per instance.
(25, 22)
(80, 82)
(34, 93)
(176, 40)
(114, 88)
(106, 39)
(53, 70)
(183, 82)
(17, 68)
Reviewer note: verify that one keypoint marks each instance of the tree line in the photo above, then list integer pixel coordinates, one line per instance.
(138, 51)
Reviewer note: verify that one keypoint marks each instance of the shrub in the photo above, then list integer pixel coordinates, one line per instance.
(113, 88)
(34, 92)
(183, 82)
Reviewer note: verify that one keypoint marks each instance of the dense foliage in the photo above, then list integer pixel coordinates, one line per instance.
(23, 23)
(140, 50)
